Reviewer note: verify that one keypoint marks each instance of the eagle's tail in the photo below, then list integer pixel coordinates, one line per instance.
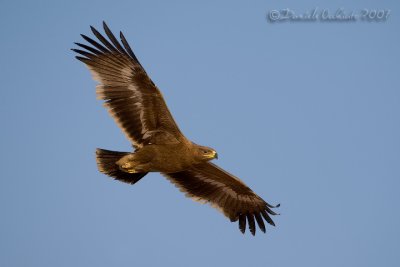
(106, 163)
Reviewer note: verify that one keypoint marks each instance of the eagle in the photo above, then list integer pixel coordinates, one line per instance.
(139, 109)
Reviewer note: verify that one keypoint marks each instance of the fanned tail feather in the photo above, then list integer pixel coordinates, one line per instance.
(106, 163)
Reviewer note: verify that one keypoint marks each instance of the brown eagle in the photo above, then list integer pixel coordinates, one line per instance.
(139, 109)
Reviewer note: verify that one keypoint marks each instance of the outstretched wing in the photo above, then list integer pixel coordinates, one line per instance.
(130, 96)
(209, 183)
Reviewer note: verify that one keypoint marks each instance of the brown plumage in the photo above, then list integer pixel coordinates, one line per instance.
(139, 109)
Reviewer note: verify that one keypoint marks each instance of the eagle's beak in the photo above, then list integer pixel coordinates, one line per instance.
(212, 155)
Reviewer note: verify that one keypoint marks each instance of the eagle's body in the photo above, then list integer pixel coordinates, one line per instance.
(166, 158)
(140, 111)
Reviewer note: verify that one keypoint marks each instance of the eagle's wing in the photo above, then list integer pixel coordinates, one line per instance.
(131, 97)
(207, 182)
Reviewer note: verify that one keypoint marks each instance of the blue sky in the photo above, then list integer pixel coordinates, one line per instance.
(307, 114)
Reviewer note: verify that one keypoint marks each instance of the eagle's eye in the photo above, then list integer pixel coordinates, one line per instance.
(205, 151)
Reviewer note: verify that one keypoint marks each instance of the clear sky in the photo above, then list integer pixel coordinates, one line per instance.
(307, 114)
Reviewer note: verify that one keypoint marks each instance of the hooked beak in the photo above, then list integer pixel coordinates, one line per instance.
(215, 155)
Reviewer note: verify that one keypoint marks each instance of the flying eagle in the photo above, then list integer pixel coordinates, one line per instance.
(138, 107)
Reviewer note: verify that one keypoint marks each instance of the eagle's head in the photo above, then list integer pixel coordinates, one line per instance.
(204, 153)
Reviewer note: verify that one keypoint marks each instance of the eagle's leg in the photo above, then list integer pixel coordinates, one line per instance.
(133, 163)
(131, 167)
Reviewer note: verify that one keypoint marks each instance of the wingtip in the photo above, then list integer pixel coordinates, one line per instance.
(76, 50)
(272, 206)
(105, 26)
(93, 29)
(83, 59)
(260, 222)
(242, 223)
(252, 224)
(84, 36)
